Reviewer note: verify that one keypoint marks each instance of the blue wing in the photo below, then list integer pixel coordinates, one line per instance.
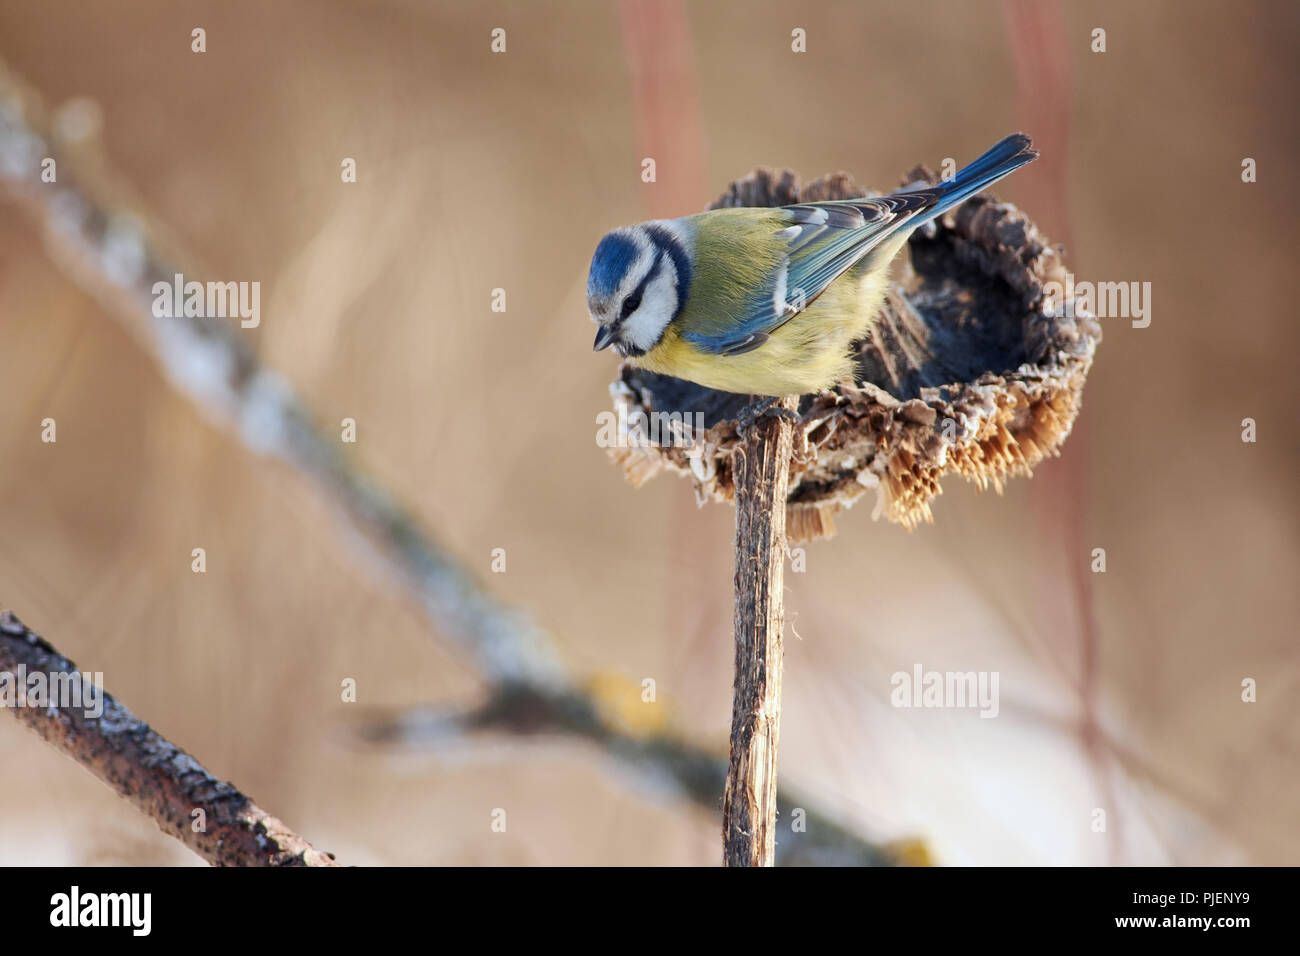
(825, 239)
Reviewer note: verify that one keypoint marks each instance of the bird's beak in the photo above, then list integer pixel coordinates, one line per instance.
(604, 336)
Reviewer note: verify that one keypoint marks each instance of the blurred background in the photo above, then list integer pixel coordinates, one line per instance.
(478, 171)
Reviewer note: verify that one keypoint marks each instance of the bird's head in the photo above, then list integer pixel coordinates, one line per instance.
(637, 284)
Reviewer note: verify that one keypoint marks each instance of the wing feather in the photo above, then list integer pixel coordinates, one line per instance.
(823, 240)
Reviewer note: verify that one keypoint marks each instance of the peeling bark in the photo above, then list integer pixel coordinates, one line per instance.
(762, 468)
(159, 778)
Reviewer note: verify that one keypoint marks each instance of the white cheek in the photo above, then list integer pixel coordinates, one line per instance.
(646, 325)
(645, 261)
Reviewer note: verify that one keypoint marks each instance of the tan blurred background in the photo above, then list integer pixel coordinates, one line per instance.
(477, 171)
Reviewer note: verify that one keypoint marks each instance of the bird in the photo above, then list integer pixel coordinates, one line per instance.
(766, 301)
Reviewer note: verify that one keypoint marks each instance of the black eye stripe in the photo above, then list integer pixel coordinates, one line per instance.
(631, 304)
(633, 299)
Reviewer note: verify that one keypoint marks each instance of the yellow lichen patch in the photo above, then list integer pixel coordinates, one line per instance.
(910, 851)
(633, 707)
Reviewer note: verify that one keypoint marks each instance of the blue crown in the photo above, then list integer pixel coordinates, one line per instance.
(613, 257)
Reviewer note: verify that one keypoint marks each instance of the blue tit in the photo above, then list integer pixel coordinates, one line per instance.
(766, 301)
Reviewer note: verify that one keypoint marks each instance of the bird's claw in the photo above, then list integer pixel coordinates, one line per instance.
(755, 412)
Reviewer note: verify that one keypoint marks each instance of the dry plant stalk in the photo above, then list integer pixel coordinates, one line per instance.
(159, 778)
(762, 470)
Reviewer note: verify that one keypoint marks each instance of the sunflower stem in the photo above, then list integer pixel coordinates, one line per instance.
(762, 465)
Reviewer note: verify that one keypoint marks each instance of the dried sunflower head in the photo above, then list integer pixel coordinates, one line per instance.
(974, 367)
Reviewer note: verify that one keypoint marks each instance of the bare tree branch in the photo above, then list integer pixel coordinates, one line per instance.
(662, 762)
(115, 252)
(209, 816)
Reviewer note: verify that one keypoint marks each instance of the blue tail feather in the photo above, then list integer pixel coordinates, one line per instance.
(1004, 158)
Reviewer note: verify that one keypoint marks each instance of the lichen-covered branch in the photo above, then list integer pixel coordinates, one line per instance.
(208, 815)
(762, 468)
(110, 247)
(664, 762)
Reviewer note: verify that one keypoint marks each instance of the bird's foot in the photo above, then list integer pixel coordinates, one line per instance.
(755, 412)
